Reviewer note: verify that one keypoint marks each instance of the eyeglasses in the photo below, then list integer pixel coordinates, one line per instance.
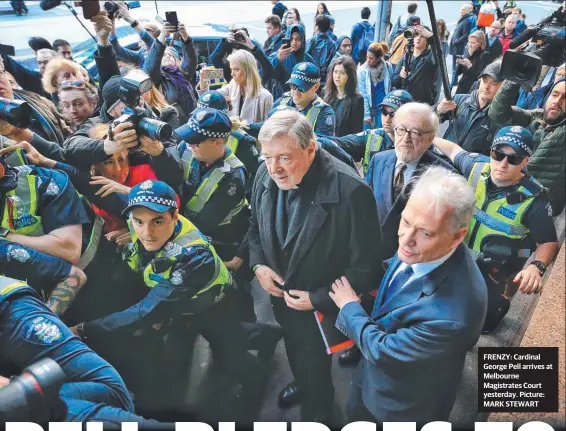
(388, 113)
(295, 88)
(72, 84)
(414, 134)
(513, 159)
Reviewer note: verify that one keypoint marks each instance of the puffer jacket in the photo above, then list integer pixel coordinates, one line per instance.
(548, 163)
(472, 128)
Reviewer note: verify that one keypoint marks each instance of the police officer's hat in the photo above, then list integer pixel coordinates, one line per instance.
(395, 99)
(280, 108)
(213, 99)
(304, 76)
(517, 137)
(205, 124)
(155, 195)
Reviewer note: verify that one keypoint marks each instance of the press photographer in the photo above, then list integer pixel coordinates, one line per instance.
(417, 72)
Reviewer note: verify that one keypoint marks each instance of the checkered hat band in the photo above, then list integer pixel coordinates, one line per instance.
(203, 106)
(519, 142)
(194, 126)
(304, 78)
(152, 199)
(392, 99)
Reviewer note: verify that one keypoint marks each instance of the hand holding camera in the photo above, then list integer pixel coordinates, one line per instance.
(103, 26)
(283, 52)
(124, 136)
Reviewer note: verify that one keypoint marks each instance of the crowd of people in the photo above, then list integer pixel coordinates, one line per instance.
(138, 207)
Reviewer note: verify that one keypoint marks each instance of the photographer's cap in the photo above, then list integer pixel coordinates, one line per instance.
(110, 93)
(493, 70)
(412, 21)
(205, 124)
(154, 195)
(213, 99)
(517, 137)
(304, 76)
(395, 99)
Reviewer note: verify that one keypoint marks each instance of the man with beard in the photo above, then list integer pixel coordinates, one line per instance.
(547, 164)
(415, 125)
(472, 127)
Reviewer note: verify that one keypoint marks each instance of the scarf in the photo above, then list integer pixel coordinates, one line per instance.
(183, 88)
(377, 73)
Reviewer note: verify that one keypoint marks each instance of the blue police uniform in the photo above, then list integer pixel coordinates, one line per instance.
(29, 332)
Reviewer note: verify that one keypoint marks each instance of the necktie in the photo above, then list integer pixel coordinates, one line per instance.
(399, 180)
(398, 282)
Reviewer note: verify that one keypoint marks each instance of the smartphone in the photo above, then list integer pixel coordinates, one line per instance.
(159, 19)
(171, 18)
(7, 50)
(286, 43)
(90, 8)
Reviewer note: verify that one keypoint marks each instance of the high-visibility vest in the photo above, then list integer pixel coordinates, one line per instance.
(374, 143)
(10, 286)
(209, 185)
(496, 217)
(188, 236)
(21, 213)
(312, 113)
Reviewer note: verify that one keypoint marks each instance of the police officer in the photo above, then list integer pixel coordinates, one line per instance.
(362, 146)
(185, 280)
(304, 83)
(41, 230)
(240, 143)
(30, 332)
(513, 218)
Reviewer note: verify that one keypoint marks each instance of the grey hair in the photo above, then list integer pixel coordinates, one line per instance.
(423, 110)
(47, 51)
(290, 123)
(447, 190)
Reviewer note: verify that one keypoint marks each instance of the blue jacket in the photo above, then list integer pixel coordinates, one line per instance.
(358, 31)
(466, 25)
(355, 144)
(380, 178)
(415, 342)
(129, 55)
(326, 120)
(272, 44)
(322, 48)
(279, 9)
(364, 85)
(29, 80)
(282, 69)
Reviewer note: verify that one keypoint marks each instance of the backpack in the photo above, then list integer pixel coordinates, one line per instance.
(367, 37)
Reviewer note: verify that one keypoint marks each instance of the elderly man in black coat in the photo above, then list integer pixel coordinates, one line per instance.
(313, 220)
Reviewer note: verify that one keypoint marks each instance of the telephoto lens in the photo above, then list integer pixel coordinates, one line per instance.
(16, 112)
(155, 129)
(34, 395)
(409, 33)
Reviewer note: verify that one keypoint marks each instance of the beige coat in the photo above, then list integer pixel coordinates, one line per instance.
(255, 109)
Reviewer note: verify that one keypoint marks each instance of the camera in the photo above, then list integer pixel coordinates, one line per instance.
(34, 395)
(111, 7)
(16, 112)
(237, 36)
(546, 47)
(132, 86)
(409, 33)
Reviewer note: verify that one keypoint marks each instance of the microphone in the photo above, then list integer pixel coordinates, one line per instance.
(49, 4)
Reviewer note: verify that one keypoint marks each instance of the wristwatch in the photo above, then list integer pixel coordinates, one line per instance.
(135, 23)
(541, 266)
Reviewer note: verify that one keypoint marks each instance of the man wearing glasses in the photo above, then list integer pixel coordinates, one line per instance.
(362, 146)
(513, 217)
(415, 125)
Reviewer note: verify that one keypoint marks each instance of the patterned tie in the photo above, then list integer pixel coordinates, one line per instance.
(398, 282)
(399, 180)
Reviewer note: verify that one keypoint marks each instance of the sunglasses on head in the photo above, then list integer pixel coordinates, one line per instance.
(387, 112)
(73, 84)
(513, 159)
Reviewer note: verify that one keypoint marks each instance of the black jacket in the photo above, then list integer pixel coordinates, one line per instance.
(349, 116)
(496, 50)
(334, 232)
(461, 33)
(423, 74)
(472, 128)
(480, 59)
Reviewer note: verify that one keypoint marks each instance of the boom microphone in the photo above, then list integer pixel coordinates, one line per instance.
(49, 4)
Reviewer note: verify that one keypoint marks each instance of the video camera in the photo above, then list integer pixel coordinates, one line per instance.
(132, 86)
(34, 395)
(546, 48)
(16, 112)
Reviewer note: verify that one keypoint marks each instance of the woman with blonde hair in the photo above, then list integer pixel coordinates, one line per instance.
(475, 59)
(59, 70)
(249, 100)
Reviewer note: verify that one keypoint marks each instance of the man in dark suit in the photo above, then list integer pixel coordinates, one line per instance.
(429, 310)
(313, 220)
(494, 46)
(415, 125)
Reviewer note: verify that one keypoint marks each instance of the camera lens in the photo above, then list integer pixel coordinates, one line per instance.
(155, 129)
(15, 112)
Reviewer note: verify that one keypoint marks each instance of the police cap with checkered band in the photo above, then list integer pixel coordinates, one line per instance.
(395, 99)
(517, 137)
(154, 195)
(304, 76)
(205, 124)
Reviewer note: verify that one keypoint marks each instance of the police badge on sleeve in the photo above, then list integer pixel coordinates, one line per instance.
(42, 330)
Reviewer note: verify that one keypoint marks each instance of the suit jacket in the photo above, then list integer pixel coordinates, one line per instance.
(415, 343)
(380, 174)
(333, 233)
(495, 50)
